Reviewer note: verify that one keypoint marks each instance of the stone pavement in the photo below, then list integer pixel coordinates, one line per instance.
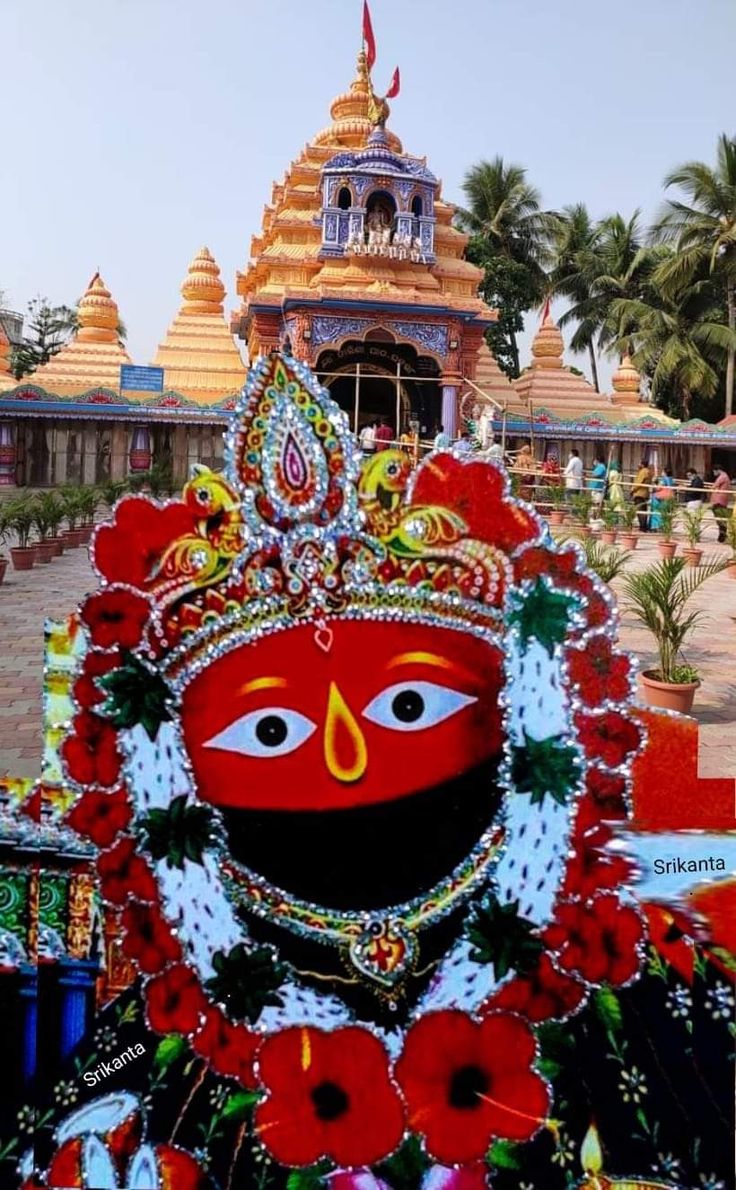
(55, 589)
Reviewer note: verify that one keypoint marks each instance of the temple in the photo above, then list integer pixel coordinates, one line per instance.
(359, 268)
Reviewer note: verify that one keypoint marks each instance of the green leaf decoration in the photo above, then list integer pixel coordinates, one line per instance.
(500, 937)
(504, 1154)
(608, 1008)
(555, 1044)
(406, 1168)
(544, 615)
(308, 1179)
(168, 1051)
(178, 832)
(135, 695)
(239, 1104)
(245, 981)
(544, 766)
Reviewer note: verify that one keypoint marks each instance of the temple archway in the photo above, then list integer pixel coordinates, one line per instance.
(378, 377)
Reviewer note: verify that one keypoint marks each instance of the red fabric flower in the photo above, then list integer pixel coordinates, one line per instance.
(672, 935)
(86, 690)
(91, 751)
(592, 867)
(543, 994)
(607, 792)
(467, 1082)
(124, 874)
(130, 549)
(475, 492)
(100, 816)
(175, 1001)
(115, 616)
(608, 738)
(599, 673)
(229, 1049)
(329, 1096)
(148, 939)
(598, 941)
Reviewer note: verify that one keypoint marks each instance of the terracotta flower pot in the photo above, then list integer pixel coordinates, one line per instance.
(71, 539)
(667, 549)
(556, 516)
(672, 696)
(583, 530)
(692, 555)
(58, 544)
(23, 557)
(44, 551)
(608, 536)
(85, 534)
(3, 568)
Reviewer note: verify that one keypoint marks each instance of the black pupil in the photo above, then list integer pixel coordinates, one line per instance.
(467, 1084)
(407, 706)
(271, 731)
(330, 1101)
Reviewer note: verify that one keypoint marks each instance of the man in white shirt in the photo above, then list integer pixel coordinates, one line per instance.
(368, 438)
(574, 472)
(495, 450)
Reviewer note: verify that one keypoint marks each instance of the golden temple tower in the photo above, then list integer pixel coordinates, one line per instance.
(198, 355)
(92, 358)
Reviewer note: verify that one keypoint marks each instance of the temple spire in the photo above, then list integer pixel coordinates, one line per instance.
(97, 314)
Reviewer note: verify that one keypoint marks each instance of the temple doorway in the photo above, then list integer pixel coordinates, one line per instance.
(378, 378)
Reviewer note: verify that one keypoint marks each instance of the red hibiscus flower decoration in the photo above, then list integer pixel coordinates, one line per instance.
(130, 549)
(672, 935)
(91, 752)
(467, 1082)
(475, 492)
(599, 673)
(329, 1095)
(148, 939)
(95, 665)
(175, 1001)
(124, 874)
(116, 616)
(229, 1049)
(608, 738)
(542, 994)
(100, 816)
(607, 792)
(599, 941)
(592, 867)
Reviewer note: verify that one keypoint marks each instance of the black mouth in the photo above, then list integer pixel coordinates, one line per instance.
(371, 857)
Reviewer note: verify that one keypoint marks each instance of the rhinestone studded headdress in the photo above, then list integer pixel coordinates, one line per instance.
(296, 529)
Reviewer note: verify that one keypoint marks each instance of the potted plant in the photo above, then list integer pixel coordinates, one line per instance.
(554, 502)
(606, 563)
(693, 518)
(609, 515)
(3, 536)
(20, 521)
(42, 518)
(666, 512)
(87, 500)
(731, 542)
(54, 513)
(112, 491)
(628, 536)
(580, 506)
(660, 597)
(72, 514)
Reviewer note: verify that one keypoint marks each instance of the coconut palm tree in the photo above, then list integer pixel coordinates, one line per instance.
(510, 234)
(674, 335)
(704, 231)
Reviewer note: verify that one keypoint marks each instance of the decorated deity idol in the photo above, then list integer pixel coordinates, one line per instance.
(355, 742)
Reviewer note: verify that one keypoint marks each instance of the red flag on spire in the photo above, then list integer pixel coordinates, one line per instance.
(545, 311)
(368, 38)
(395, 85)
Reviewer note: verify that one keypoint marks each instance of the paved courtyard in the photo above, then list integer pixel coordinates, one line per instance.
(55, 589)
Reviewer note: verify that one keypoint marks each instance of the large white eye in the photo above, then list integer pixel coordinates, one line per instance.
(412, 706)
(270, 731)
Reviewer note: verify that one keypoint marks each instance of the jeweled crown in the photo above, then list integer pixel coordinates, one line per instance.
(298, 527)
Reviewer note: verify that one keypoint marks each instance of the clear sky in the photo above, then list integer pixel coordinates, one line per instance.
(134, 131)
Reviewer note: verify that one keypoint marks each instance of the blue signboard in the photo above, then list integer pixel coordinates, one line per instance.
(141, 380)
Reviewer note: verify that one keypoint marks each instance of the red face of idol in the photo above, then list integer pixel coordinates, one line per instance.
(385, 711)
(313, 740)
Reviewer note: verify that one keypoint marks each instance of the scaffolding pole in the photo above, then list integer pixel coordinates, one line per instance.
(397, 428)
(357, 398)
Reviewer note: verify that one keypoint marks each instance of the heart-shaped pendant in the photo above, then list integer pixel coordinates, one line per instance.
(385, 952)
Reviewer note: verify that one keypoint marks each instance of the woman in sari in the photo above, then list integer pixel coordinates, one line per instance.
(661, 494)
